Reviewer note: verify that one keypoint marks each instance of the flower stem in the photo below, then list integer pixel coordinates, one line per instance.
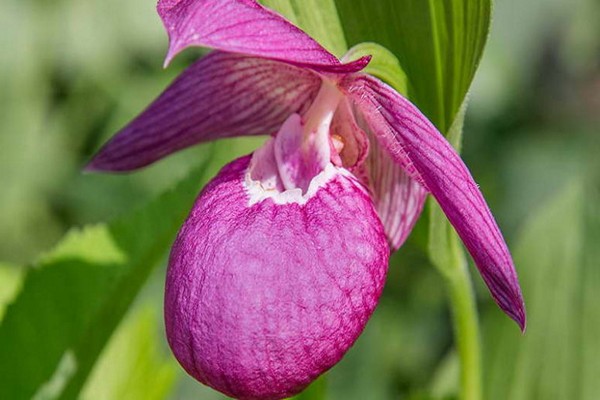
(465, 322)
(448, 256)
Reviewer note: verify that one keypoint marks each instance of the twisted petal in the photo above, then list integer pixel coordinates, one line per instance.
(221, 95)
(246, 27)
(264, 296)
(412, 141)
(398, 198)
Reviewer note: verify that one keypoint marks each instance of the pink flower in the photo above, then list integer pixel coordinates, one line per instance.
(284, 255)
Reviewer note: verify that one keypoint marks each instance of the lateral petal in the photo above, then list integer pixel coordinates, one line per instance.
(412, 141)
(221, 95)
(246, 27)
(398, 198)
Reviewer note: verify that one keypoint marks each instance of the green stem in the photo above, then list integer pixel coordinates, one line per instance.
(466, 326)
(448, 256)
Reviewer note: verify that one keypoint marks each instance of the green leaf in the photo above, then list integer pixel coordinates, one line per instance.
(74, 297)
(11, 280)
(318, 18)
(131, 366)
(589, 316)
(384, 65)
(557, 256)
(438, 42)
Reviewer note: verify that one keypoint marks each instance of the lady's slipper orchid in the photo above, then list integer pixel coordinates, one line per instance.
(283, 258)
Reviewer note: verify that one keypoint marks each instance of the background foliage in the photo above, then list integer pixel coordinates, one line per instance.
(73, 72)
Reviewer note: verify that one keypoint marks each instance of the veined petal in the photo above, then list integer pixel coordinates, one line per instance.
(221, 95)
(412, 141)
(398, 198)
(246, 27)
(299, 159)
(264, 296)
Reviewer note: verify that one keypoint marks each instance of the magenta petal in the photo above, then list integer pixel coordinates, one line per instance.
(221, 95)
(354, 139)
(414, 142)
(261, 298)
(299, 159)
(398, 198)
(246, 27)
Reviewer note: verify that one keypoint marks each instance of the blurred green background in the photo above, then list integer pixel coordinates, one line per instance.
(73, 72)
